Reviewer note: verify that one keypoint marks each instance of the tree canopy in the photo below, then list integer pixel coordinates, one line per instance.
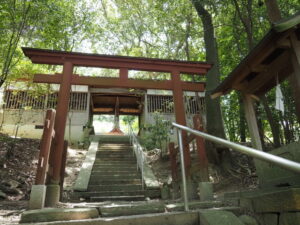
(149, 28)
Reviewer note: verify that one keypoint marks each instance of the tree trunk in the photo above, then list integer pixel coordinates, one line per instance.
(273, 10)
(213, 110)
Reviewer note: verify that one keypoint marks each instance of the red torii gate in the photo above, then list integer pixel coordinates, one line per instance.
(124, 64)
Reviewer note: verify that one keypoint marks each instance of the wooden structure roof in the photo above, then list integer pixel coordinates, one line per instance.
(271, 58)
(104, 103)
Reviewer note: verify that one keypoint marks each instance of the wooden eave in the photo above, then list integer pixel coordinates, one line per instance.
(270, 59)
(54, 57)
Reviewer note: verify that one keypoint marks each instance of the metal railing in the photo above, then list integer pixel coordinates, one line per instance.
(267, 157)
(138, 151)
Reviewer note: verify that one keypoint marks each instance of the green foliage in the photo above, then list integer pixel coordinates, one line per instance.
(156, 135)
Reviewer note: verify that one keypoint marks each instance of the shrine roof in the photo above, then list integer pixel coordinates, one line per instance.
(266, 63)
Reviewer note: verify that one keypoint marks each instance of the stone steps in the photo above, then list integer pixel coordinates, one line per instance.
(115, 187)
(116, 172)
(115, 160)
(98, 193)
(110, 167)
(118, 198)
(113, 182)
(114, 175)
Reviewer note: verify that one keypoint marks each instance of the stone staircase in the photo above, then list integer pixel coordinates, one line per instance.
(114, 176)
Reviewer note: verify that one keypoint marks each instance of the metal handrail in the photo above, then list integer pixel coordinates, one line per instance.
(138, 151)
(267, 157)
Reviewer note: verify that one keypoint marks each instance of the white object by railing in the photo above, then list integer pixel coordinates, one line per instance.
(267, 157)
(138, 151)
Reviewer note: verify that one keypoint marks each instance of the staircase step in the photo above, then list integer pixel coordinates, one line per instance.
(132, 173)
(116, 165)
(114, 170)
(115, 159)
(119, 198)
(108, 193)
(132, 209)
(113, 167)
(114, 154)
(115, 187)
(114, 177)
(113, 182)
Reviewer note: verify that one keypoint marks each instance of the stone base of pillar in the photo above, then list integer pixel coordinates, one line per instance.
(206, 191)
(191, 188)
(52, 195)
(37, 197)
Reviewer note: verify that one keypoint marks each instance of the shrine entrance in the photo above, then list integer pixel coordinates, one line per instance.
(109, 103)
(115, 102)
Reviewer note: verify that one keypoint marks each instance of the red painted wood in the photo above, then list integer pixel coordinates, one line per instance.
(200, 142)
(42, 56)
(60, 121)
(102, 82)
(45, 147)
(180, 116)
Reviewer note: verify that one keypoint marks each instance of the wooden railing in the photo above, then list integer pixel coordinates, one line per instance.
(45, 146)
(200, 146)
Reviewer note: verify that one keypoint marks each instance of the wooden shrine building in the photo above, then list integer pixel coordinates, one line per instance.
(275, 58)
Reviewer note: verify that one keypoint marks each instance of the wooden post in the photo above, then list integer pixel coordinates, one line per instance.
(198, 125)
(180, 116)
(173, 156)
(45, 147)
(295, 58)
(63, 168)
(252, 121)
(253, 130)
(60, 123)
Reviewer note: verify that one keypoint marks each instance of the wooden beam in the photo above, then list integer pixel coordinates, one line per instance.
(270, 72)
(51, 57)
(106, 82)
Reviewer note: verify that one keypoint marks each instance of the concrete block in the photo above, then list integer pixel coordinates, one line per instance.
(217, 217)
(205, 191)
(194, 205)
(37, 197)
(273, 175)
(291, 218)
(270, 218)
(132, 209)
(189, 218)
(83, 178)
(52, 195)
(248, 220)
(165, 192)
(56, 214)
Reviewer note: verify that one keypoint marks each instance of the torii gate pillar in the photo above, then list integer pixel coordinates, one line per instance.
(180, 116)
(56, 154)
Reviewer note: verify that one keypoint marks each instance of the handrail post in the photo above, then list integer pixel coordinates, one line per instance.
(186, 206)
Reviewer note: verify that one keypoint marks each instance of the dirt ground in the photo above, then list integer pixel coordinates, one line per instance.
(17, 174)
